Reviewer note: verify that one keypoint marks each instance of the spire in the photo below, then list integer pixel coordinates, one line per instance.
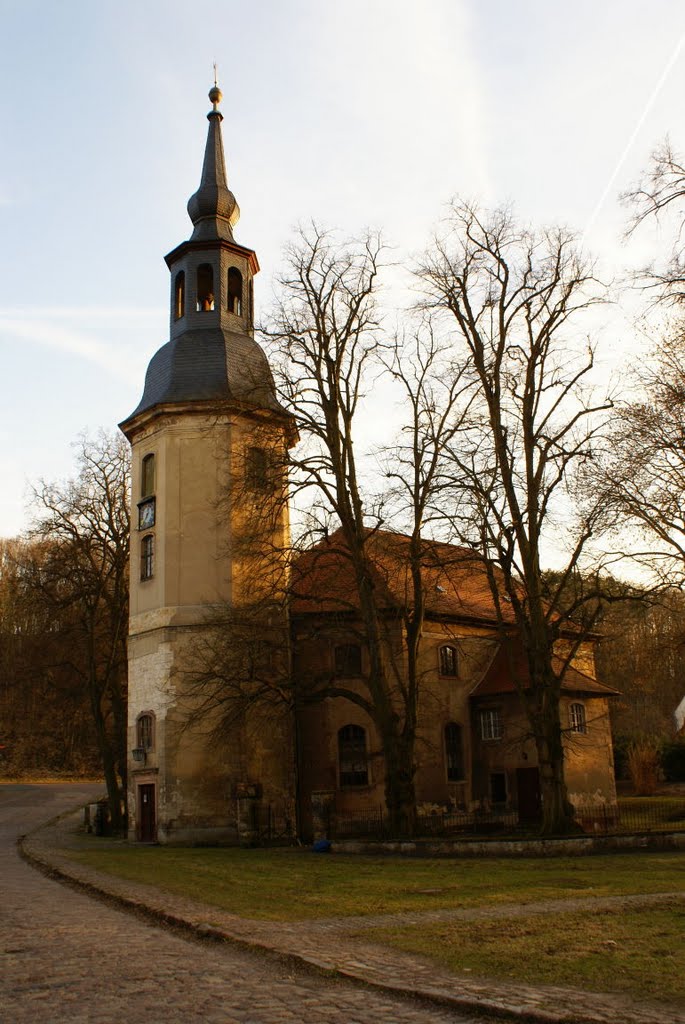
(213, 208)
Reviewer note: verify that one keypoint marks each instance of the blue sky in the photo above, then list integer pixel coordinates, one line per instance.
(360, 114)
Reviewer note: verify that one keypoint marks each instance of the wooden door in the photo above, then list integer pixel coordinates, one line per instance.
(147, 826)
(529, 800)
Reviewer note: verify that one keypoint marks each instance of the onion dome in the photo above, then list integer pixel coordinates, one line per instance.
(213, 208)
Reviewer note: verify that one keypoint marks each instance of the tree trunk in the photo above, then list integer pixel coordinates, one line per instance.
(108, 754)
(400, 796)
(557, 811)
(398, 742)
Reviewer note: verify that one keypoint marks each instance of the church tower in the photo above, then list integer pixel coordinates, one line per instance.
(209, 526)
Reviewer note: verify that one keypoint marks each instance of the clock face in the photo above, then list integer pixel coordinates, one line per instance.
(146, 515)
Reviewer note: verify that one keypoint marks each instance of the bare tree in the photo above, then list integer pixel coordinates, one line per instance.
(661, 194)
(46, 722)
(327, 346)
(643, 475)
(642, 654)
(512, 299)
(80, 571)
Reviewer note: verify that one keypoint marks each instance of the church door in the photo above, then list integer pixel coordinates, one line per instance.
(529, 799)
(147, 827)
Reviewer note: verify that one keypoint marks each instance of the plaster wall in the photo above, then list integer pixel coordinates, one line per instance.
(204, 563)
(443, 700)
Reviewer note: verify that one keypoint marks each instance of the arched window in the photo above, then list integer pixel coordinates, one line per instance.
(448, 660)
(454, 752)
(205, 288)
(147, 555)
(577, 719)
(147, 477)
(234, 291)
(145, 731)
(180, 295)
(250, 301)
(348, 660)
(352, 757)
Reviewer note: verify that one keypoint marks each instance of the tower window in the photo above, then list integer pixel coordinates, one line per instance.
(147, 482)
(352, 757)
(205, 288)
(147, 553)
(257, 469)
(180, 295)
(250, 302)
(145, 731)
(577, 719)
(234, 291)
(448, 660)
(348, 660)
(454, 752)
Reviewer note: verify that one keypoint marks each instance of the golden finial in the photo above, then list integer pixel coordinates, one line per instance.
(215, 94)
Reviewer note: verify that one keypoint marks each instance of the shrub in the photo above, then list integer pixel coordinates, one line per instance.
(644, 764)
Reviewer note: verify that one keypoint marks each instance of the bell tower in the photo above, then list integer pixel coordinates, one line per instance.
(207, 437)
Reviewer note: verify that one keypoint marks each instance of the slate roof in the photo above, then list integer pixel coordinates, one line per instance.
(209, 364)
(213, 208)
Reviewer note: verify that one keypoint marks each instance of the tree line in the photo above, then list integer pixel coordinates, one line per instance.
(64, 622)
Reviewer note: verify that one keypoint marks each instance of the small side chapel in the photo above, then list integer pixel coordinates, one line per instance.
(209, 427)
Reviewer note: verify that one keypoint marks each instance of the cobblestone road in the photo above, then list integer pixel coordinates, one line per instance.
(68, 958)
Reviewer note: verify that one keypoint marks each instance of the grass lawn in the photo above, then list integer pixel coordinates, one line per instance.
(636, 952)
(289, 885)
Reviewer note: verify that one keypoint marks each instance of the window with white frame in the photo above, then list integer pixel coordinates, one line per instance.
(577, 719)
(490, 724)
(448, 660)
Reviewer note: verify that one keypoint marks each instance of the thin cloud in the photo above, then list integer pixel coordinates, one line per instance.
(47, 333)
(636, 131)
(94, 314)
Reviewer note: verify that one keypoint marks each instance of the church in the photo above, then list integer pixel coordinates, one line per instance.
(208, 427)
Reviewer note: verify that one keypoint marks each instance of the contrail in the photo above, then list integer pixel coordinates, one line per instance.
(641, 120)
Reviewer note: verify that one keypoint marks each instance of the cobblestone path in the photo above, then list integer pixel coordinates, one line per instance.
(65, 957)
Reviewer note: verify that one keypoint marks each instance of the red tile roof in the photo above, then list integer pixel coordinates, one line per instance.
(454, 578)
(509, 664)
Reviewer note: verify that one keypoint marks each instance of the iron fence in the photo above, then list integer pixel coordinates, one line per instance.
(630, 814)
(376, 824)
(635, 814)
(268, 824)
